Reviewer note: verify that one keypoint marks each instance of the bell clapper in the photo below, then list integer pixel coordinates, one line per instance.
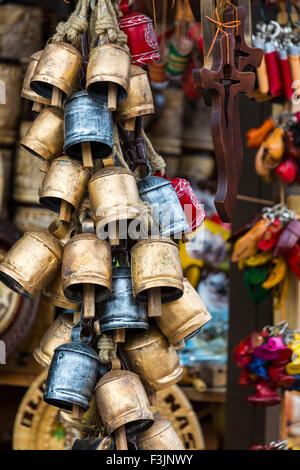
(56, 99)
(45, 166)
(154, 302)
(77, 412)
(129, 124)
(37, 107)
(76, 317)
(114, 234)
(120, 438)
(119, 335)
(152, 397)
(65, 211)
(112, 96)
(87, 158)
(89, 301)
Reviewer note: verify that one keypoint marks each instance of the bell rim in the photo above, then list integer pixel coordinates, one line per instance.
(53, 203)
(135, 326)
(42, 358)
(157, 422)
(6, 276)
(60, 301)
(37, 148)
(102, 293)
(189, 329)
(136, 112)
(98, 84)
(167, 295)
(65, 401)
(76, 154)
(42, 85)
(29, 94)
(129, 212)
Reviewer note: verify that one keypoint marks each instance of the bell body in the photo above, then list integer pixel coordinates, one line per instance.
(27, 92)
(156, 263)
(87, 121)
(121, 310)
(122, 401)
(72, 376)
(153, 359)
(141, 37)
(66, 180)
(161, 436)
(31, 264)
(114, 195)
(108, 63)
(58, 66)
(54, 294)
(86, 260)
(59, 333)
(182, 319)
(167, 210)
(45, 137)
(139, 101)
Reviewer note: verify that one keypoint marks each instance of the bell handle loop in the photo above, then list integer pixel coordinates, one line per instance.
(116, 364)
(78, 329)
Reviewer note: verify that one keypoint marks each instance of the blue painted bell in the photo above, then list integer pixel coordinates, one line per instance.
(121, 310)
(167, 212)
(87, 122)
(72, 374)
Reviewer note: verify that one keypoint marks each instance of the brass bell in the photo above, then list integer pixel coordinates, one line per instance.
(139, 101)
(161, 436)
(182, 319)
(63, 187)
(45, 137)
(114, 196)
(57, 72)
(27, 92)
(54, 294)
(153, 359)
(107, 77)
(31, 264)
(59, 333)
(122, 401)
(86, 260)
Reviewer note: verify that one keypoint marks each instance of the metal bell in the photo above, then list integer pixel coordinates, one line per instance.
(54, 294)
(66, 180)
(167, 210)
(161, 436)
(122, 401)
(87, 425)
(45, 137)
(72, 374)
(153, 359)
(156, 263)
(108, 64)
(121, 310)
(87, 121)
(59, 333)
(86, 260)
(27, 92)
(58, 67)
(31, 264)
(182, 319)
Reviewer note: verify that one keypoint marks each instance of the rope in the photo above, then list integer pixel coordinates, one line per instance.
(76, 24)
(107, 348)
(117, 149)
(156, 161)
(105, 26)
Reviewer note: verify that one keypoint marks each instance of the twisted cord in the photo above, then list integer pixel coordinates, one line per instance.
(107, 348)
(76, 24)
(156, 161)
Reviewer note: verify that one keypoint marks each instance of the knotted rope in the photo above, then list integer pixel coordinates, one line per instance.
(104, 26)
(76, 24)
(107, 348)
(156, 161)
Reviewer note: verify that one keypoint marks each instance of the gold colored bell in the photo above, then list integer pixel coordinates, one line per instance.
(153, 359)
(31, 264)
(45, 137)
(27, 92)
(139, 100)
(182, 319)
(86, 260)
(57, 72)
(122, 401)
(63, 186)
(59, 333)
(161, 436)
(54, 294)
(107, 77)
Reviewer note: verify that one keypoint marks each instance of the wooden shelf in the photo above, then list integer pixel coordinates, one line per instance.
(213, 395)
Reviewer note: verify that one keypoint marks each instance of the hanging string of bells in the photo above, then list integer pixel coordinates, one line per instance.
(107, 361)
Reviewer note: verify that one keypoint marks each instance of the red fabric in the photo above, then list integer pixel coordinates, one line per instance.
(286, 78)
(287, 170)
(273, 68)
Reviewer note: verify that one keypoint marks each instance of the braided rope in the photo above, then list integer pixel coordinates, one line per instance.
(107, 348)
(104, 25)
(76, 24)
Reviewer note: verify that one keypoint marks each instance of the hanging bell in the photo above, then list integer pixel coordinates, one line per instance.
(59, 333)
(161, 436)
(149, 355)
(86, 260)
(183, 319)
(27, 92)
(88, 128)
(166, 209)
(54, 294)
(45, 137)
(140, 34)
(63, 187)
(122, 401)
(57, 72)
(121, 310)
(31, 263)
(72, 374)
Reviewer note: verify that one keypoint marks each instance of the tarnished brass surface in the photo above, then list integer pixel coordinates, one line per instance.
(59, 67)
(10, 89)
(156, 263)
(139, 100)
(27, 92)
(114, 195)
(185, 316)
(161, 436)
(45, 137)
(86, 260)
(153, 359)
(31, 263)
(58, 333)
(54, 293)
(122, 401)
